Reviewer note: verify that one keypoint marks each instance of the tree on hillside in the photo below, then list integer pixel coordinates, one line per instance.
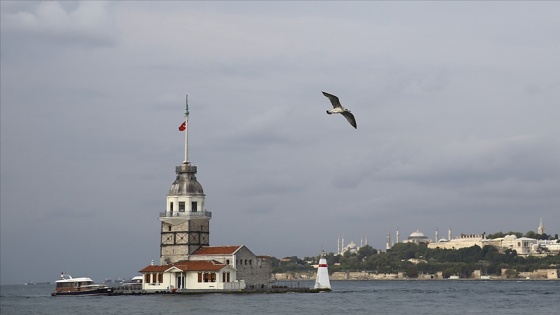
(531, 234)
(365, 252)
(502, 234)
(407, 250)
(350, 262)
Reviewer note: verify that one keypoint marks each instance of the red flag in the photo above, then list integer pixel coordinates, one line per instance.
(183, 126)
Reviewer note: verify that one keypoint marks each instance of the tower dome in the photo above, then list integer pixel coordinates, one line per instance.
(186, 183)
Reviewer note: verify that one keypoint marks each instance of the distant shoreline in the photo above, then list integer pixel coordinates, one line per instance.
(416, 279)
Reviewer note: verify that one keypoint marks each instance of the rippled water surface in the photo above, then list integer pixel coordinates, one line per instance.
(350, 297)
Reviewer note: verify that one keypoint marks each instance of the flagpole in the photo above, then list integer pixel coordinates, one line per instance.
(186, 129)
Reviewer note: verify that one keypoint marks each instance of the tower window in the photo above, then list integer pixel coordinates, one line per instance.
(171, 206)
(181, 206)
(194, 206)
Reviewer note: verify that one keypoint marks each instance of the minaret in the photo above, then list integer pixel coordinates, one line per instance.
(388, 245)
(437, 235)
(338, 245)
(449, 234)
(397, 237)
(185, 224)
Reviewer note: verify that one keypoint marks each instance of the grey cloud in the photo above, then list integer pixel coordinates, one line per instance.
(90, 23)
(522, 158)
(456, 122)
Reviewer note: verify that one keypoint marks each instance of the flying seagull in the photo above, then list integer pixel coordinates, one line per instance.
(338, 109)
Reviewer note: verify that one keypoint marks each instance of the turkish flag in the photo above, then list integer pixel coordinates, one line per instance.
(183, 126)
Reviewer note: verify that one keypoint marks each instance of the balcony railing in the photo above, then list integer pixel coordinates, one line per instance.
(185, 214)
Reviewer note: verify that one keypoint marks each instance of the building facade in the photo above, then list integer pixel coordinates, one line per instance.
(462, 241)
(190, 275)
(254, 270)
(185, 224)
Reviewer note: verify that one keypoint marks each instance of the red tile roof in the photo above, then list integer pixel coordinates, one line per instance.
(155, 268)
(217, 250)
(192, 265)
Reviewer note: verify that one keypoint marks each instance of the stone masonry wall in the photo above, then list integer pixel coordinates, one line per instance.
(254, 270)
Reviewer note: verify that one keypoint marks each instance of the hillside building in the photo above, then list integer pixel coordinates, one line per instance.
(417, 238)
(352, 247)
(523, 246)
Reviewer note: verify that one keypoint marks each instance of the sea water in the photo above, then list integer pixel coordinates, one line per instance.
(347, 297)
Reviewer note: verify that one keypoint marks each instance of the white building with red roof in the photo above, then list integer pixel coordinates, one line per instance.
(192, 275)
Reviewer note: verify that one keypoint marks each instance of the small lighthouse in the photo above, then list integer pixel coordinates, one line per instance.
(322, 281)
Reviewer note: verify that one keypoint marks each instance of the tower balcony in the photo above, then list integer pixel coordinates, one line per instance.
(177, 217)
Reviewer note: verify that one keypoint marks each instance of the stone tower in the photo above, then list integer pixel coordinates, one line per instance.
(540, 229)
(185, 224)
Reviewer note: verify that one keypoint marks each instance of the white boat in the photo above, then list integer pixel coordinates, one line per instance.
(134, 285)
(79, 286)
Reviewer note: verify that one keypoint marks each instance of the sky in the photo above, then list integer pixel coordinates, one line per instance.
(457, 106)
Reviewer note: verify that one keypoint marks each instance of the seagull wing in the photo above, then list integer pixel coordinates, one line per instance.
(350, 117)
(334, 100)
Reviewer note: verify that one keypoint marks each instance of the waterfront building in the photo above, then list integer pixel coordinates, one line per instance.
(254, 270)
(187, 261)
(191, 275)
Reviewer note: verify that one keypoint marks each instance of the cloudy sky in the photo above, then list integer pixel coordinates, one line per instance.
(457, 105)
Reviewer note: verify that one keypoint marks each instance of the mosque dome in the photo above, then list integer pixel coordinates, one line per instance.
(417, 237)
(352, 248)
(186, 182)
(417, 234)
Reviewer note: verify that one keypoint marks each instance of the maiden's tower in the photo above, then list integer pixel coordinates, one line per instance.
(185, 224)
(187, 261)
